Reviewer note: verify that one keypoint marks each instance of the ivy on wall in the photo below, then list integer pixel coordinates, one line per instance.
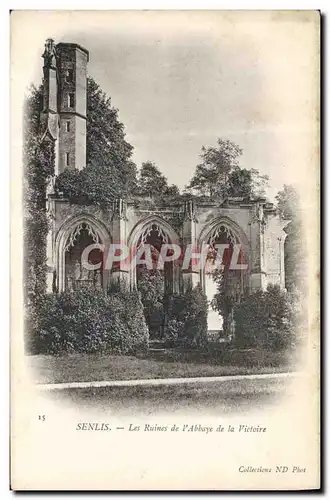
(39, 164)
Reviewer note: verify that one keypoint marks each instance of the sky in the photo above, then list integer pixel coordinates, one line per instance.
(180, 80)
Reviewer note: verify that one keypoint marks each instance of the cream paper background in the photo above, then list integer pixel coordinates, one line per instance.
(52, 454)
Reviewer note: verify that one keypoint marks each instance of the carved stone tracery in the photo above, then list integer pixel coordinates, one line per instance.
(219, 230)
(76, 232)
(148, 230)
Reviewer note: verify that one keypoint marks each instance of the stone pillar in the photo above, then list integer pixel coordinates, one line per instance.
(50, 248)
(190, 276)
(274, 238)
(257, 254)
(120, 272)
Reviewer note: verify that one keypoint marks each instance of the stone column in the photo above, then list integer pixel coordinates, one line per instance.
(119, 273)
(50, 248)
(190, 276)
(257, 254)
(275, 236)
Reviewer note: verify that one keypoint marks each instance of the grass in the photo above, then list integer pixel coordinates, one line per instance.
(168, 364)
(212, 398)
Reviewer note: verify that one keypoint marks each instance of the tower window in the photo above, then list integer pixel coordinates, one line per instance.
(71, 100)
(69, 75)
(67, 126)
(67, 159)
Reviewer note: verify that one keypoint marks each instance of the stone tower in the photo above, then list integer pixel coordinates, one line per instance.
(64, 107)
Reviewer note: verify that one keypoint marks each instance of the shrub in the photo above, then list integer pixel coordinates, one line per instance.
(267, 319)
(188, 316)
(92, 321)
(173, 330)
(151, 287)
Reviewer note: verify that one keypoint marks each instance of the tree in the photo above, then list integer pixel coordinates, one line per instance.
(246, 183)
(217, 162)
(270, 319)
(220, 175)
(152, 183)
(106, 146)
(288, 204)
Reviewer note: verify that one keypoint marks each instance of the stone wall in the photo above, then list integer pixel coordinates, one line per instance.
(261, 235)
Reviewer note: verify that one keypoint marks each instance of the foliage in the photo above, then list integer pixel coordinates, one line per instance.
(151, 288)
(173, 332)
(38, 161)
(217, 162)
(288, 204)
(268, 319)
(152, 183)
(188, 317)
(91, 321)
(226, 296)
(245, 183)
(91, 186)
(106, 143)
(220, 175)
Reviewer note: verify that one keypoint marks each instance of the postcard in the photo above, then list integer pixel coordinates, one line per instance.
(165, 228)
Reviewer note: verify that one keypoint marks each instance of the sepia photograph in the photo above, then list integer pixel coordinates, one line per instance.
(166, 173)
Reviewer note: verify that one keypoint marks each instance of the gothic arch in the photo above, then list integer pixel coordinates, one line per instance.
(234, 233)
(223, 229)
(232, 227)
(141, 229)
(66, 236)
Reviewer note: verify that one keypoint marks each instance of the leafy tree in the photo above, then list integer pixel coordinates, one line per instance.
(246, 183)
(152, 183)
(220, 175)
(217, 162)
(268, 318)
(288, 204)
(106, 145)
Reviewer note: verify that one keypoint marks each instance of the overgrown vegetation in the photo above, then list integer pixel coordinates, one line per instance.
(220, 175)
(187, 318)
(152, 183)
(151, 287)
(271, 319)
(288, 204)
(39, 161)
(91, 321)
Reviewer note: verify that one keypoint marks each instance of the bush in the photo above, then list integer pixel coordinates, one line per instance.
(151, 287)
(173, 331)
(267, 319)
(188, 317)
(91, 321)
